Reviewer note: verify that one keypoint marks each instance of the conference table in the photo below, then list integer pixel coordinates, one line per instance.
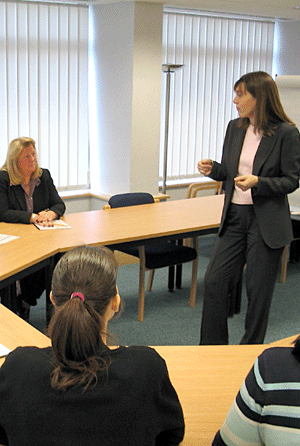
(148, 223)
(206, 378)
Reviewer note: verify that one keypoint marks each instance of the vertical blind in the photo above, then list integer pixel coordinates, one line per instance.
(44, 86)
(215, 51)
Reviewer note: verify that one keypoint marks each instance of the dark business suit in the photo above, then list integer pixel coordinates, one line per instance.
(255, 235)
(13, 209)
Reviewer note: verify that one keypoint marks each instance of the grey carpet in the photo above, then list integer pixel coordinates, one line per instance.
(168, 319)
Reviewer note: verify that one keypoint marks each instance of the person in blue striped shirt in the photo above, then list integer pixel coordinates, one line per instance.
(266, 410)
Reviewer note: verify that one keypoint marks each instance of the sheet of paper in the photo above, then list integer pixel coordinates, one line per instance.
(4, 238)
(4, 350)
(58, 224)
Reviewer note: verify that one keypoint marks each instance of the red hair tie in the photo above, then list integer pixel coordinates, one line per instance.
(80, 295)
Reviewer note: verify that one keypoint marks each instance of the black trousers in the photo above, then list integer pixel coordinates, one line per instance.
(240, 244)
(33, 286)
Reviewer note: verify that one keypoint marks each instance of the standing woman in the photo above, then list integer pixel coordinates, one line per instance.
(28, 195)
(260, 165)
(81, 392)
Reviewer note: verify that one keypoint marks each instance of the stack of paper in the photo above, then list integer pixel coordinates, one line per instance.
(57, 224)
(4, 351)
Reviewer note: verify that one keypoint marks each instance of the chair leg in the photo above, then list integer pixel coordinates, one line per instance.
(171, 275)
(171, 278)
(187, 242)
(141, 300)
(179, 269)
(178, 276)
(284, 262)
(194, 275)
(150, 279)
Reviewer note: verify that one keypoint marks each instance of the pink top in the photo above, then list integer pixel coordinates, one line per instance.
(249, 149)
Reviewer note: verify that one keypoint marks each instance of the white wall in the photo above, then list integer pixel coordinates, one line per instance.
(287, 62)
(126, 101)
(146, 103)
(287, 49)
(111, 113)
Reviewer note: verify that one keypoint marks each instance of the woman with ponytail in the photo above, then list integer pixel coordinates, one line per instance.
(79, 391)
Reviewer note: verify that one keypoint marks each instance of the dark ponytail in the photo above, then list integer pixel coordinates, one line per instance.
(77, 328)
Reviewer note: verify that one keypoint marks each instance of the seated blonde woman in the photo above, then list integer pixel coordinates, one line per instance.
(28, 195)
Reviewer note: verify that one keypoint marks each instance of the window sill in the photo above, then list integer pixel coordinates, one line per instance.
(71, 195)
(172, 184)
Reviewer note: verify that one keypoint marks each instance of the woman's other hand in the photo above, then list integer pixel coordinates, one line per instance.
(246, 182)
(205, 166)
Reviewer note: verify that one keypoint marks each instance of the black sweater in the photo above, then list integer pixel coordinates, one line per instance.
(134, 404)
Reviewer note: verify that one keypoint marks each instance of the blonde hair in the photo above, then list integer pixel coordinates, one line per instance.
(11, 164)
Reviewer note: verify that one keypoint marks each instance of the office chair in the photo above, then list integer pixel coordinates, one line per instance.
(154, 255)
(216, 186)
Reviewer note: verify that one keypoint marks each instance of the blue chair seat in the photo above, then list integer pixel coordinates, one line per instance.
(161, 255)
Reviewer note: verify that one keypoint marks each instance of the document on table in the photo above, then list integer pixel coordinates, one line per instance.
(4, 351)
(295, 212)
(4, 238)
(57, 224)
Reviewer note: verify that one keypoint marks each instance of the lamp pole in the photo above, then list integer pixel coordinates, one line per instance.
(168, 69)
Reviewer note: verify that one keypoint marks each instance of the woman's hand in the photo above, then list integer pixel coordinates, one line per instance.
(46, 218)
(33, 218)
(205, 166)
(246, 182)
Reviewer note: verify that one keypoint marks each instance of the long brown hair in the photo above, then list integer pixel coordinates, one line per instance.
(268, 106)
(77, 327)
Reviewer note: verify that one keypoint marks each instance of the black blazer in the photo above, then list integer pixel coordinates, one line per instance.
(277, 165)
(13, 207)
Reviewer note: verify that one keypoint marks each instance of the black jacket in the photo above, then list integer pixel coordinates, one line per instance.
(13, 207)
(277, 165)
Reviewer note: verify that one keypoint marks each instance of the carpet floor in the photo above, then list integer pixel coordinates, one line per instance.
(168, 319)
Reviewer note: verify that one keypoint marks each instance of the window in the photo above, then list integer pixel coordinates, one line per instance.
(215, 51)
(44, 86)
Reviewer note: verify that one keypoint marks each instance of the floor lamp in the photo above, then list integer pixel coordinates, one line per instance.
(168, 69)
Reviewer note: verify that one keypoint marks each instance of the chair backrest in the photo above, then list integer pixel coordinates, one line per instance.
(130, 199)
(195, 187)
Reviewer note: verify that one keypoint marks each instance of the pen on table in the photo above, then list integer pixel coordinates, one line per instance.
(59, 224)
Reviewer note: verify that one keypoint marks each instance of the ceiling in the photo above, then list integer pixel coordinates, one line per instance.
(275, 9)
(279, 9)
